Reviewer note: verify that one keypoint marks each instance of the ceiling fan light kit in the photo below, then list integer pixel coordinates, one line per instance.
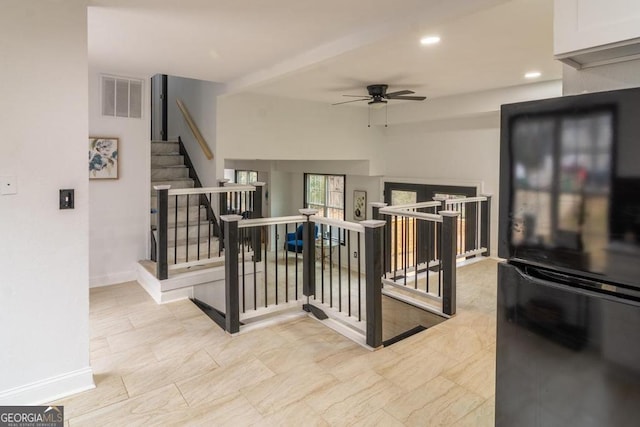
(378, 97)
(377, 103)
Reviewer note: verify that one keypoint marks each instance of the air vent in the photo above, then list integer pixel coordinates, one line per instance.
(121, 97)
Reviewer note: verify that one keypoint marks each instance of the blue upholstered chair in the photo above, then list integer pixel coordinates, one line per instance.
(294, 240)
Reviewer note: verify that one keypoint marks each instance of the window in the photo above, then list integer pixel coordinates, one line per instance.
(121, 97)
(246, 177)
(326, 194)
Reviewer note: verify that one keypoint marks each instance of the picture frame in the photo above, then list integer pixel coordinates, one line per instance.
(103, 158)
(359, 205)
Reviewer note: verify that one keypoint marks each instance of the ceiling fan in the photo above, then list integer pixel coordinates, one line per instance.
(378, 95)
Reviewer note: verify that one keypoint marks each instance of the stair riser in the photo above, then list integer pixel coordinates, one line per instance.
(165, 148)
(182, 203)
(169, 173)
(193, 252)
(194, 215)
(193, 232)
(166, 160)
(167, 168)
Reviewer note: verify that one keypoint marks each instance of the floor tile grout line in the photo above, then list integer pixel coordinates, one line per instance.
(182, 394)
(256, 346)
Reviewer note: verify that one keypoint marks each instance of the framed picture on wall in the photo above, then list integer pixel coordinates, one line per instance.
(103, 158)
(359, 205)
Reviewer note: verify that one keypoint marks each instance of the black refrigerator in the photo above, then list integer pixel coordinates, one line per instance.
(568, 309)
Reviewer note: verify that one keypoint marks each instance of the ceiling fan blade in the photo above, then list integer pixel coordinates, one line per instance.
(411, 98)
(355, 100)
(356, 96)
(400, 92)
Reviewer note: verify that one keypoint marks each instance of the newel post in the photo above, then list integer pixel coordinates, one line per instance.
(485, 224)
(162, 265)
(443, 202)
(373, 230)
(449, 238)
(222, 205)
(256, 232)
(308, 253)
(231, 282)
(375, 210)
(386, 235)
(258, 196)
(222, 200)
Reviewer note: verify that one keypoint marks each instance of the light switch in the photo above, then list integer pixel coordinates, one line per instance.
(8, 185)
(66, 199)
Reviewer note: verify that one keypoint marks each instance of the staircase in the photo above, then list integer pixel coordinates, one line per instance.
(169, 167)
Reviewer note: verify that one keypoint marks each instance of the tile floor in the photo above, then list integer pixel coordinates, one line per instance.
(170, 365)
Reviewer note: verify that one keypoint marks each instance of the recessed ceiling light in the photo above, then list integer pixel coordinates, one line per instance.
(430, 40)
(532, 75)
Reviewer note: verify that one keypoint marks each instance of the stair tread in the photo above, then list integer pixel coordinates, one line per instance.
(193, 243)
(167, 161)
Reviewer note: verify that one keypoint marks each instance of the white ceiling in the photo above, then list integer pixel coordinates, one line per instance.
(319, 50)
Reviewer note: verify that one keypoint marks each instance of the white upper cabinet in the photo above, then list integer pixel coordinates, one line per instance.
(588, 33)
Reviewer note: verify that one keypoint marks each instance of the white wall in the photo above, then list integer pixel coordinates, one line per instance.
(119, 218)
(252, 126)
(470, 104)
(606, 77)
(371, 184)
(200, 99)
(44, 275)
(281, 194)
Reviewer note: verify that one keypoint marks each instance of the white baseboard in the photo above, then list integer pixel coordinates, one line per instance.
(49, 389)
(345, 331)
(152, 285)
(176, 295)
(112, 279)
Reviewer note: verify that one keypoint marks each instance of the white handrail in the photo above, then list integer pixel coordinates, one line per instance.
(465, 200)
(353, 226)
(215, 190)
(415, 205)
(411, 214)
(258, 222)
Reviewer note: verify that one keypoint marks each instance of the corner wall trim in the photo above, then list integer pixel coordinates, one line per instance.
(49, 389)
